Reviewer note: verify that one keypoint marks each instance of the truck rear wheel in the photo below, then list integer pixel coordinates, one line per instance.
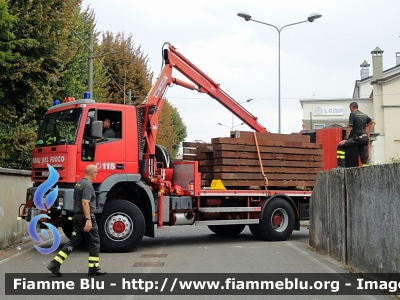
(121, 226)
(255, 231)
(278, 220)
(227, 229)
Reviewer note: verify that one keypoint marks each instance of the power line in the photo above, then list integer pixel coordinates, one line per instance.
(293, 98)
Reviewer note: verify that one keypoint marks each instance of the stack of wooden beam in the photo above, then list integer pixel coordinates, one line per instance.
(289, 161)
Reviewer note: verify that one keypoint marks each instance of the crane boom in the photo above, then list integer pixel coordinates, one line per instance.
(200, 82)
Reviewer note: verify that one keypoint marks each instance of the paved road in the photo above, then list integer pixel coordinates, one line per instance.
(186, 249)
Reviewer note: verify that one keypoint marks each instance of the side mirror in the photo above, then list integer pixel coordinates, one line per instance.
(96, 129)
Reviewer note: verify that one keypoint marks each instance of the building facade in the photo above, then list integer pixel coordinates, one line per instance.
(378, 96)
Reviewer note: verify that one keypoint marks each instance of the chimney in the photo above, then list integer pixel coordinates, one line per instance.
(377, 64)
(364, 69)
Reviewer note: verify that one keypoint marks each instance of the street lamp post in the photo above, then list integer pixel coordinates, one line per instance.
(310, 18)
(233, 116)
(231, 127)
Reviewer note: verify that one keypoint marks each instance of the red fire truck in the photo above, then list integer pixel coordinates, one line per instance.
(138, 186)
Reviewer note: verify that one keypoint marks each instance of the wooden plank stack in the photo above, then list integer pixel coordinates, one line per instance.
(203, 153)
(289, 161)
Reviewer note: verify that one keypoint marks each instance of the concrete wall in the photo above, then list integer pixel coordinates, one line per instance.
(378, 151)
(13, 185)
(327, 215)
(354, 217)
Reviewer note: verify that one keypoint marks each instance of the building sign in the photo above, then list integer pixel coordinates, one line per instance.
(328, 111)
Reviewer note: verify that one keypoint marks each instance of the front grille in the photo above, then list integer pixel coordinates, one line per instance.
(41, 174)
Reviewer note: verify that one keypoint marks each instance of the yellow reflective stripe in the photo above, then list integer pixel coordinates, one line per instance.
(365, 165)
(59, 259)
(340, 152)
(91, 265)
(63, 254)
(94, 258)
(96, 265)
(341, 157)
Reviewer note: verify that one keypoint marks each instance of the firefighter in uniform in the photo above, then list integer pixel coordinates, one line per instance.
(84, 225)
(357, 124)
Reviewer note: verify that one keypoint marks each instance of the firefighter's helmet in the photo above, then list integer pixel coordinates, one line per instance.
(178, 190)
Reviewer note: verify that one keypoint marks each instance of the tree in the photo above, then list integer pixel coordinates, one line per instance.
(127, 68)
(172, 131)
(32, 78)
(73, 82)
(7, 22)
(7, 113)
(42, 59)
(180, 130)
(36, 55)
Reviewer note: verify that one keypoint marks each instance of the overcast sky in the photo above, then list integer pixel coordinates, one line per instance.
(318, 60)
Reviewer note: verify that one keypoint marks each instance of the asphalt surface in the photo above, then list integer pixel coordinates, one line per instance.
(184, 249)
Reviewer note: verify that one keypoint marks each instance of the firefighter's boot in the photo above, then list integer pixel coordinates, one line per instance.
(55, 264)
(96, 271)
(340, 158)
(54, 267)
(94, 268)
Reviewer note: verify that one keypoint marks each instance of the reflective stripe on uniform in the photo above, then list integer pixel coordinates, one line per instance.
(93, 262)
(340, 157)
(340, 152)
(63, 254)
(59, 260)
(365, 165)
(61, 257)
(94, 258)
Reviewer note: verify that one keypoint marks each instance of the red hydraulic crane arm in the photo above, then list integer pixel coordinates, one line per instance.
(151, 108)
(152, 104)
(206, 85)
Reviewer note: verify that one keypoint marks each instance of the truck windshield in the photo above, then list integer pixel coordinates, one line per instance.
(59, 128)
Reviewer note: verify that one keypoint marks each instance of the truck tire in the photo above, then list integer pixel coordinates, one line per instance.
(121, 226)
(227, 229)
(255, 231)
(278, 220)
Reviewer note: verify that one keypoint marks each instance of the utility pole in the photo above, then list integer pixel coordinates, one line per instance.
(90, 62)
(91, 56)
(129, 96)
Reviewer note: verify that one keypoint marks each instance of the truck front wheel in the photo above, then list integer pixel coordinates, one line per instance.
(121, 226)
(278, 220)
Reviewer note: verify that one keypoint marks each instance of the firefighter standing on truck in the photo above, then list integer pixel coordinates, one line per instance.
(357, 123)
(84, 225)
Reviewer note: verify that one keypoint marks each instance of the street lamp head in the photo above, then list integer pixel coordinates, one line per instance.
(219, 124)
(313, 16)
(244, 15)
(248, 100)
